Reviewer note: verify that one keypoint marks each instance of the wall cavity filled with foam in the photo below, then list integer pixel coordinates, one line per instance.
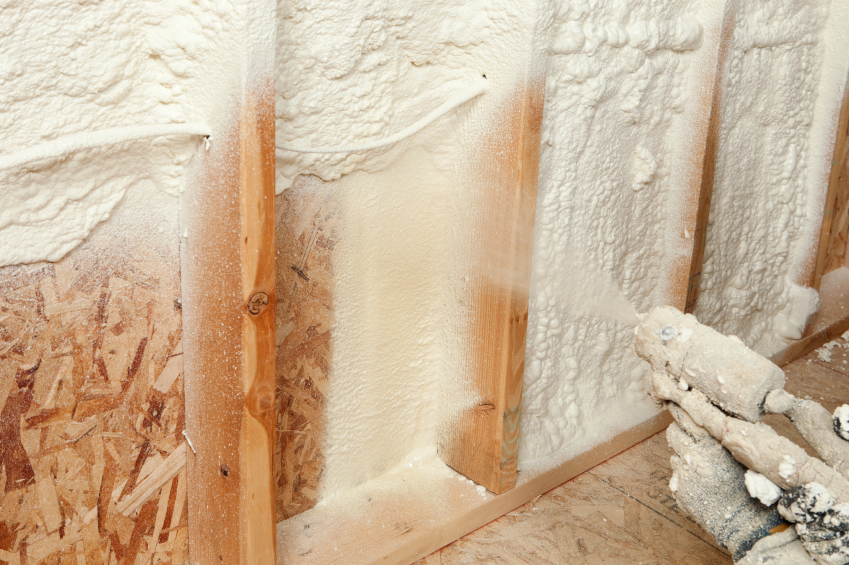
(621, 76)
(787, 69)
(357, 72)
(85, 86)
(628, 88)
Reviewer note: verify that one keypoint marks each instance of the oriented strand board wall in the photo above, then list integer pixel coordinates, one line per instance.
(91, 410)
(306, 235)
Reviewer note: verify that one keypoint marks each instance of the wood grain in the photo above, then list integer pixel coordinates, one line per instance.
(84, 429)
(643, 473)
(835, 225)
(697, 211)
(230, 306)
(385, 521)
(306, 236)
(483, 443)
(585, 521)
(257, 172)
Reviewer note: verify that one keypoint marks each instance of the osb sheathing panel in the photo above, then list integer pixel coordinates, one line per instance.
(306, 234)
(92, 455)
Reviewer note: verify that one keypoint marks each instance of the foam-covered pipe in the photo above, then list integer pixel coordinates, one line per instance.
(478, 87)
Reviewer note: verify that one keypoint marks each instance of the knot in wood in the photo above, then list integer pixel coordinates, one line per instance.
(257, 303)
(265, 402)
(260, 400)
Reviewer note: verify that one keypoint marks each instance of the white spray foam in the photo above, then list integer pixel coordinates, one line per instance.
(766, 208)
(365, 71)
(619, 78)
(85, 86)
(762, 488)
(589, 292)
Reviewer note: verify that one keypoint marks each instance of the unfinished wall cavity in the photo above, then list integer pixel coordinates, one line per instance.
(781, 107)
(91, 400)
(616, 138)
(352, 73)
(104, 111)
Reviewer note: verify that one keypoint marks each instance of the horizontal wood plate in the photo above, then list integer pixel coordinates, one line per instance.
(390, 521)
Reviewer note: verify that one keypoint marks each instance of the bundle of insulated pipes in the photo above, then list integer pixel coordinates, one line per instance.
(730, 470)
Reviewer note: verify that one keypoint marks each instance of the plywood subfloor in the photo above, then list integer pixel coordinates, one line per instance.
(621, 512)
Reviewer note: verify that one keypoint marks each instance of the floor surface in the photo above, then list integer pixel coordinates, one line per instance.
(622, 512)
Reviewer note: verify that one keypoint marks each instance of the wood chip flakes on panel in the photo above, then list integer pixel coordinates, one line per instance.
(306, 235)
(91, 411)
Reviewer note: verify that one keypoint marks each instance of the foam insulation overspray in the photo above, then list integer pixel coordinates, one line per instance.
(72, 70)
(622, 81)
(620, 75)
(787, 71)
(620, 78)
(356, 72)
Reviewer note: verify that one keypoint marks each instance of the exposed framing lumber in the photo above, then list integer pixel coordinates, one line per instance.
(835, 224)
(483, 443)
(230, 305)
(420, 522)
(697, 209)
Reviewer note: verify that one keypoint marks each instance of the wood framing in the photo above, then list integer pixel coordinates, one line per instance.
(698, 200)
(414, 523)
(483, 443)
(229, 281)
(835, 225)
(91, 405)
